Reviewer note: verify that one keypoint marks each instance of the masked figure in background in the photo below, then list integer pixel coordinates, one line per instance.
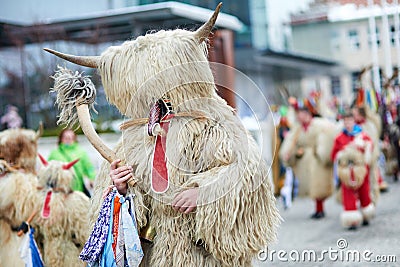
(306, 149)
(353, 152)
(183, 143)
(62, 214)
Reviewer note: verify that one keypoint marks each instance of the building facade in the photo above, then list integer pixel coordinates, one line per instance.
(340, 30)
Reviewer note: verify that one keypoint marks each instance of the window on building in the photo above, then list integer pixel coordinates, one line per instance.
(335, 41)
(393, 35)
(354, 39)
(378, 38)
(355, 83)
(335, 85)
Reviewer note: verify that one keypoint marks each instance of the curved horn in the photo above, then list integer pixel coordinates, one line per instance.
(43, 160)
(204, 31)
(39, 132)
(87, 61)
(69, 165)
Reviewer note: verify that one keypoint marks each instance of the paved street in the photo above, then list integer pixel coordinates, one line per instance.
(299, 234)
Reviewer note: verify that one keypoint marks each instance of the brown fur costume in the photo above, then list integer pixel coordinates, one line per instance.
(236, 214)
(351, 156)
(18, 148)
(66, 229)
(15, 207)
(309, 156)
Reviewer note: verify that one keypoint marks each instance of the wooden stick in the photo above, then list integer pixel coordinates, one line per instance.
(93, 137)
(28, 221)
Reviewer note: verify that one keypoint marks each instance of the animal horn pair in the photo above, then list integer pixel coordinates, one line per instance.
(66, 166)
(94, 61)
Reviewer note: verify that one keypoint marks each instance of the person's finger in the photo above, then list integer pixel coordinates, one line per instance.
(186, 207)
(176, 199)
(123, 179)
(122, 168)
(122, 183)
(121, 174)
(189, 209)
(183, 207)
(117, 171)
(114, 164)
(179, 204)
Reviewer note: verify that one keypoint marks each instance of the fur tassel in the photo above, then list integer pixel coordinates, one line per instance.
(72, 89)
(351, 218)
(368, 212)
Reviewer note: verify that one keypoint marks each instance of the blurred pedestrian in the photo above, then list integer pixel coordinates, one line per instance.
(306, 149)
(68, 150)
(11, 118)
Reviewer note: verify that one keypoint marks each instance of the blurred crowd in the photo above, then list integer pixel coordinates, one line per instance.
(322, 150)
(349, 154)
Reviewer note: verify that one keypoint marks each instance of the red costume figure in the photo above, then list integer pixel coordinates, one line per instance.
(352, 151)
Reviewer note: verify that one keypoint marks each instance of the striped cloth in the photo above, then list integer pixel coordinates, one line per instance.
(133, 248)
(99, 249)
(93, 247)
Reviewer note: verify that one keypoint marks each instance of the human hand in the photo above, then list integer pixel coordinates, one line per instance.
(120, 176)
(186, 201)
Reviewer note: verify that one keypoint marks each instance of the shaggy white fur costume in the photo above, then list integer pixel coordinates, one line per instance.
(314, 167)
(236, 214)
(67, 228)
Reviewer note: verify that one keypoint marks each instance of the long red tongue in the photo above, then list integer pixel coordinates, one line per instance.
(46, 205)
(159, 174)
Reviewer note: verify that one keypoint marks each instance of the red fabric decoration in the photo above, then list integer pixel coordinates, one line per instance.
(159, 173)
(46, 205)
(117, 206)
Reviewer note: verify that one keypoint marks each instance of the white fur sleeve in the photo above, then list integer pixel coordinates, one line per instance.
(286, 153)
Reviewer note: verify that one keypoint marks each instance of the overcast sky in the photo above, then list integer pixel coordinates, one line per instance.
(280, 9)
(27, 11)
